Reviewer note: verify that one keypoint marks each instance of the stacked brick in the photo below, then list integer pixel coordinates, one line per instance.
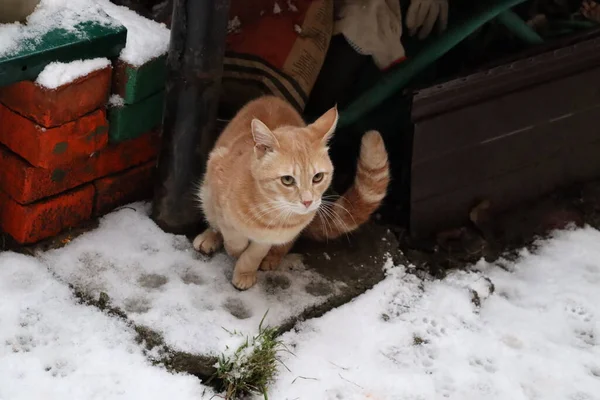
(65, 158)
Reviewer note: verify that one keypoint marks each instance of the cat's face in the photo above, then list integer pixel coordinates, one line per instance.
(292, 165)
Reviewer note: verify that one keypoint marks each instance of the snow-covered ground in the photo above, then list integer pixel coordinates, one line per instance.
(163, 283)
(524, 329)
(52, 348)
(537, 336)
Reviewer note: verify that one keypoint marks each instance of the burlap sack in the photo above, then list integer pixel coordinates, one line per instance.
(275, 48)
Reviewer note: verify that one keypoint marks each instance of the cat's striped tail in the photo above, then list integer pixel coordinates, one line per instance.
(355, 207)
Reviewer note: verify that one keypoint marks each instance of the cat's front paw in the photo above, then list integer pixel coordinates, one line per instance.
(244, 280)
(208, 242)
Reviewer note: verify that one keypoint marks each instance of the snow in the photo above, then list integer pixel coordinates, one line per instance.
(53, 348)
(116, 101)
(146, 39)
(518, 328)
(49, 15)
(57, 74)
(535, 336)
(163, 283)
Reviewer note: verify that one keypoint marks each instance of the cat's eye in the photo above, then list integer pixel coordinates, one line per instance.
(318, 177)
(288, 180)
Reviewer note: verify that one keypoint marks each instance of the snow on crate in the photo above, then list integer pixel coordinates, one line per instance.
(50, 15)
(53, 348)
(57, 74)
(146, 39)
(161, 282)
(535, 334)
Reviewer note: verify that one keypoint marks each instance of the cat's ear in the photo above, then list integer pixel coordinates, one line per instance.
(326, 124)
(264, 140)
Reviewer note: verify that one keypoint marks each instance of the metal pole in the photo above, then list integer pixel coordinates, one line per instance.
(194, 71)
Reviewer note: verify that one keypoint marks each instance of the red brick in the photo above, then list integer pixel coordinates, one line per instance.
(123, 155)
(54, 107)
(54, 146)
(116, 190)
(34, 222)
(26, 184)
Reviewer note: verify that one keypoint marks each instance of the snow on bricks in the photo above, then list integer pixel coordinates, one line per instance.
(51, 107)
(34, 222)
(26, 183)
(128, 187)
(51, 147)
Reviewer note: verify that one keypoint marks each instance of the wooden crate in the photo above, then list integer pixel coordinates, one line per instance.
(507, 134)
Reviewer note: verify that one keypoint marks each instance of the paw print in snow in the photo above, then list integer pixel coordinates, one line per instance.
(433, 328)
(578, 312)
(426, 355)
(445, 387)
(21, 343)
(487, 364)
(586, 338)
(60, 368)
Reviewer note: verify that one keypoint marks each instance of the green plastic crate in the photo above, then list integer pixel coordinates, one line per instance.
(87, 40)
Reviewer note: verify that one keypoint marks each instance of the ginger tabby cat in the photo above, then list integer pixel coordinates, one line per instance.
(264, 183)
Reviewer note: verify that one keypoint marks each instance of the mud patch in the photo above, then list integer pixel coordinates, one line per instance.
(276, 283)
(191, 278)
(181, 243)
(237, 308)
(138, 305)
(318, 289)
(152, 281)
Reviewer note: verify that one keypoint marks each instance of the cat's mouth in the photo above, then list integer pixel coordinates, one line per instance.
(303, 210)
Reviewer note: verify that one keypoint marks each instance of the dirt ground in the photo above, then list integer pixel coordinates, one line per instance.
(491, 234)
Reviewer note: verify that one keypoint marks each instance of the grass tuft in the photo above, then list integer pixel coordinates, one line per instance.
(252, 366)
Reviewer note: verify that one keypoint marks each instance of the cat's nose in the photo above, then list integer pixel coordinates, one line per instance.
(307, 203)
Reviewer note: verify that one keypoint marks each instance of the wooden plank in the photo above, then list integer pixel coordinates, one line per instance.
(509, 152)
(490, 119)
(575, 163)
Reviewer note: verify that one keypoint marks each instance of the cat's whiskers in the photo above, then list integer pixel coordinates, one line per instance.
(336, 204)
(335, 218)
(265, 209)
(284, 206)
(325, 219)
(322, 222)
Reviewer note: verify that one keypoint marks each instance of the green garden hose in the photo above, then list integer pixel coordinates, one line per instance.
(397, 79)
(519, 28)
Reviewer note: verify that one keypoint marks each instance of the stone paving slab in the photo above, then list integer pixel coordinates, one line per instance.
(184, 305)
